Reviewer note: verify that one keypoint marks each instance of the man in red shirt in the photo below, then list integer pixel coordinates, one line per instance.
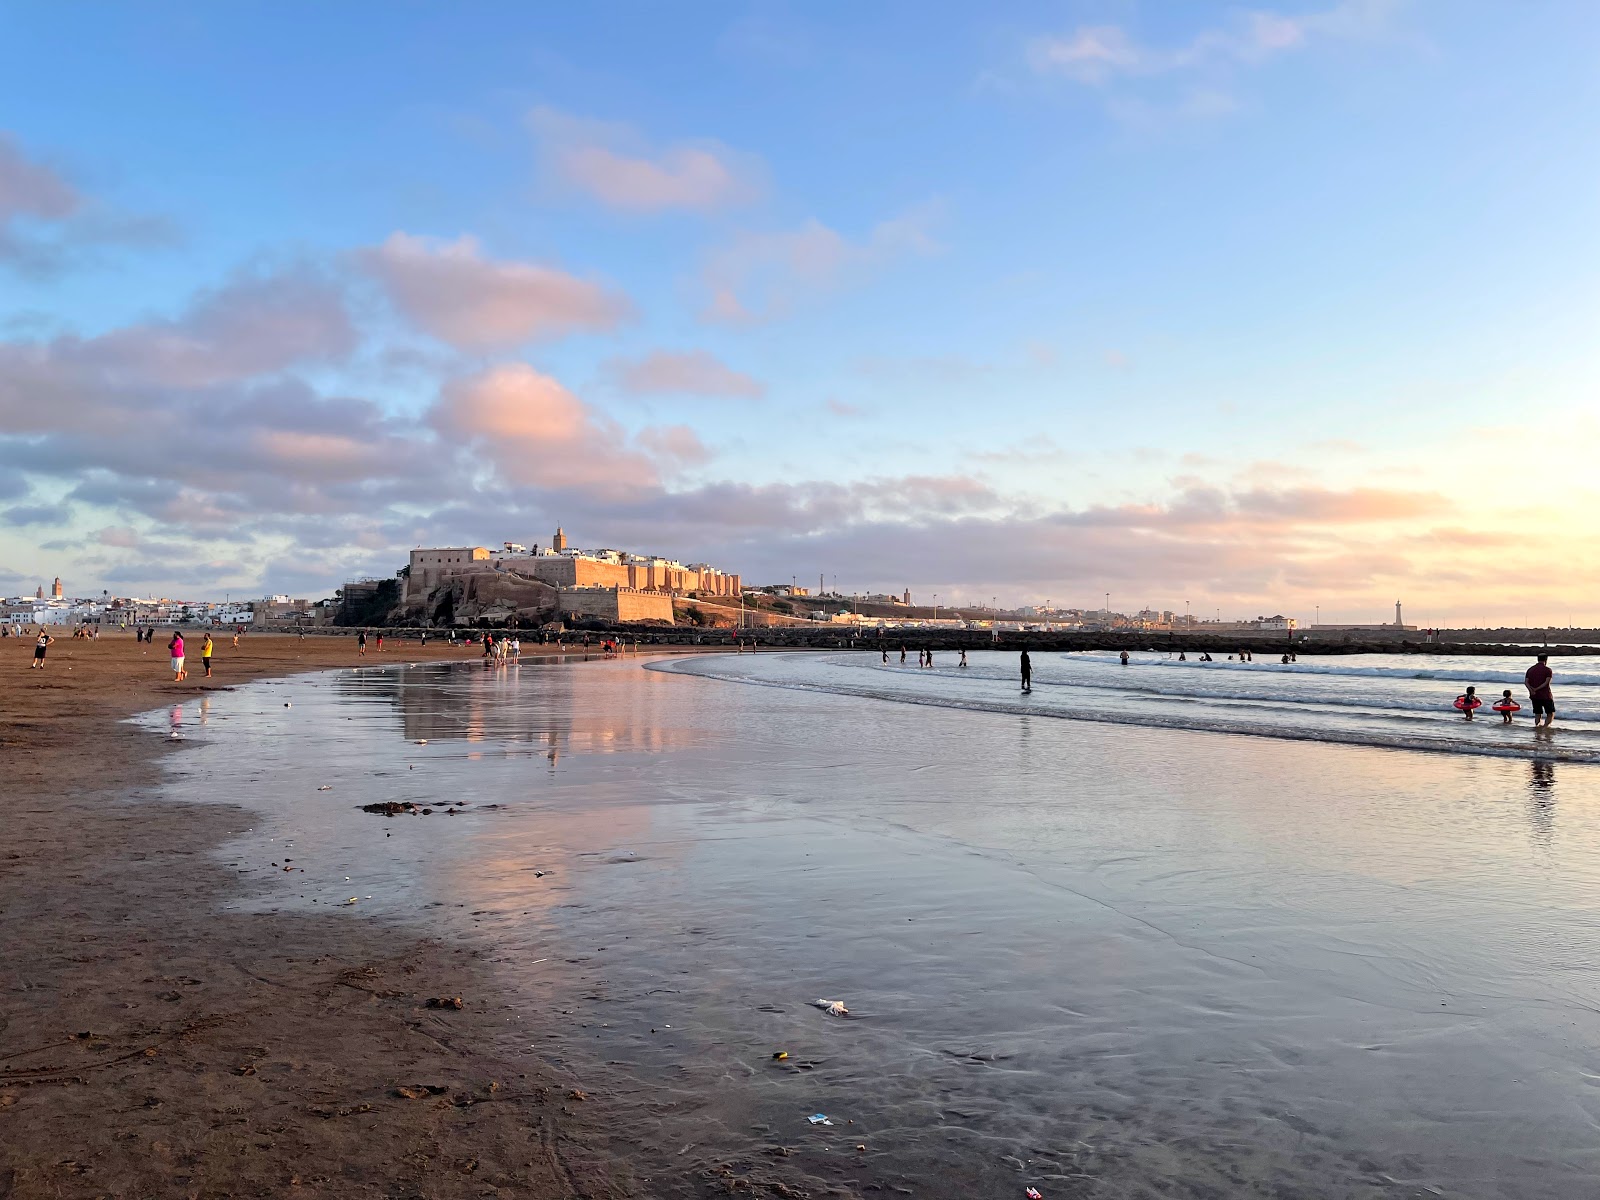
(1537, 681)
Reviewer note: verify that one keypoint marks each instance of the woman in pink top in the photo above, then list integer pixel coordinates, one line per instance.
(175, 648)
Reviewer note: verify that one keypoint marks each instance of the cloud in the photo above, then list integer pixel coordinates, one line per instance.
(1095, 55)
(685, 372)
(607, 162)
(256, 324)
(37, 514)
(538, 434)
(46, 222)
(451, 291)
(31, 189)
(757, 276)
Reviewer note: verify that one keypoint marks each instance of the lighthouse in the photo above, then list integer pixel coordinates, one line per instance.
(1398, 623)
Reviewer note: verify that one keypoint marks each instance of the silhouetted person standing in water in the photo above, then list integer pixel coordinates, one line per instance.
(1027, 672)
(1537, 681)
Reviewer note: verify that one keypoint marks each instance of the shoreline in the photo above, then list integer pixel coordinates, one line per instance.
(155, 1044)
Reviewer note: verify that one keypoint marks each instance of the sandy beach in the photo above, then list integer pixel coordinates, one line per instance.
(152, 1045)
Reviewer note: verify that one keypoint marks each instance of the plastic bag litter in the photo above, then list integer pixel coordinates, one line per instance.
(834, 1008)
(1034, 1194)
(819, 1119)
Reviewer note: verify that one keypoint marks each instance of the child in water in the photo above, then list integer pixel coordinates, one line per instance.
(1506, 706)
(1469, 701)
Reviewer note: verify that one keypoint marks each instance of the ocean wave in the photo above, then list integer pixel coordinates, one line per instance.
(1441, 699)
(1441, 738)
(1462, 674)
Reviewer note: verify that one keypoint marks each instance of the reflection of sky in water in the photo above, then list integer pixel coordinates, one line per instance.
(1144, 951)
(1401, 701)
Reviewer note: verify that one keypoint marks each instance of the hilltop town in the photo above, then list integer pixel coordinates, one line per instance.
(557, 585)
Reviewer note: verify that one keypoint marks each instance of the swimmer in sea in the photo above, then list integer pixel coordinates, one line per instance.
(1506, 705)
(1027, 672)
(1469, 701)
(1124, 658)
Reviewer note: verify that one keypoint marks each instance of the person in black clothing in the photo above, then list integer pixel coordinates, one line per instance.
(1027, 672)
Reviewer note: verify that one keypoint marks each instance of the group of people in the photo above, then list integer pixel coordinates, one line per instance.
(501, 649)
(175, 648)
(1536, 680)
(924, 657)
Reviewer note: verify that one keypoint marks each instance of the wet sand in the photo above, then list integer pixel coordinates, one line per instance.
(153, 1044)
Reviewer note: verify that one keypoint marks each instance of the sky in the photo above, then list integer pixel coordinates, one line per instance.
(1239, 310)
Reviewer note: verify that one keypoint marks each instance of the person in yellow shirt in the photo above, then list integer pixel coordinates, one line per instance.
(205, 655)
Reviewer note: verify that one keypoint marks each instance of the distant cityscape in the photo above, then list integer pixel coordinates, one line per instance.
(531, 584)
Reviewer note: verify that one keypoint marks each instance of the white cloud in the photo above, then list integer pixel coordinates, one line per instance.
(450, 290)
(1097, 54)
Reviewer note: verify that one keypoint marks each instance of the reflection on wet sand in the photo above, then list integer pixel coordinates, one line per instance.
(1542, 803)
(531, 701)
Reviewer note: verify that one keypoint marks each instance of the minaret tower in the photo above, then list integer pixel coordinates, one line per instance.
(559, 542)
(55, 590)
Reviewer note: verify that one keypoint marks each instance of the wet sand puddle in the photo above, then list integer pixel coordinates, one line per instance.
(1098, 960)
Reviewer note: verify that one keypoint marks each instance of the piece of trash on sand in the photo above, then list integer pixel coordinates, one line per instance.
(834, 1008)
(327, 787)
(420, 742)
(819, 1119)
(781, 1055)
(1034, 1194)
(447, 1002)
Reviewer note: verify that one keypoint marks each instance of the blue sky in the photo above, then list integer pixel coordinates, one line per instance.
(1261, 308)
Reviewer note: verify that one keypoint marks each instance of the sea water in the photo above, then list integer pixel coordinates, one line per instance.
(1126, 955)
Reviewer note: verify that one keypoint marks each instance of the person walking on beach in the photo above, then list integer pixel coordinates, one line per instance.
(380, 641)
(361, 644)
(1537, 681)
(205, 655)
(175, 648)
(1027, 672)
(40, 645)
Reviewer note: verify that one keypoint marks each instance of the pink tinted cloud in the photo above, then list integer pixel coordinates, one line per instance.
(453, 292)
(46, 223)
(759, 275)
(29, 188)
(536, 433)
(608, 162)
(686, 372)
(252, 326)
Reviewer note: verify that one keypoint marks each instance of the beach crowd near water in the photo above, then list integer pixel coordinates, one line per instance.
(507, 647)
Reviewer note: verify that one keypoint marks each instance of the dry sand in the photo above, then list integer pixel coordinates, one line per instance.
(152, 1044)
